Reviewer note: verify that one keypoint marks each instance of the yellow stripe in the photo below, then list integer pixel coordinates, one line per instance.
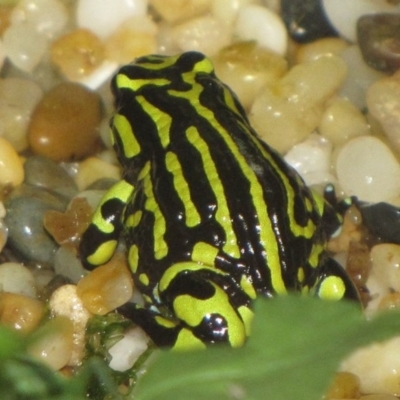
(160, 118)
(123, 82)
(133, 220)
(133, 258)
(204, 253)
(182, 188)
(222, 214)
(131, 147)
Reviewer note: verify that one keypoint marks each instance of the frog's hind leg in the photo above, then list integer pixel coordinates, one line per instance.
(333, 283)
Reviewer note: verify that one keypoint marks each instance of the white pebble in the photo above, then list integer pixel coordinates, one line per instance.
(359, 76)
(16, 278)
(103, 17)
(205, 34)
(126, 352)
(367, 168)
(226, 10)
(311, 159)
(48, 16)
(343, 14)
(24, 45)
(11, 167)
(258, 23)
(99, 76)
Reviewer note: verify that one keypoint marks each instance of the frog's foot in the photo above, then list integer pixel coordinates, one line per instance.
(333, 283)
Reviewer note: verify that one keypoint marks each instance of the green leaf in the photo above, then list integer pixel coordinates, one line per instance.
(295, 347)
(10, 342)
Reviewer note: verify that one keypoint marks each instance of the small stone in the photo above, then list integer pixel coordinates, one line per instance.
(378, 397)
(3, 234)
(77, 54)
(173, 11)
(379, 41)
(320, 48)
(344, 386)
(20, 312)
(305, 20)
(68, 265)
(367, 168)
(255, 22)
(16, 278)
(11, 168)
(5, 15)
(246, 68)
(226, 10)
(64, 123)
(107, 287)
(385, 265)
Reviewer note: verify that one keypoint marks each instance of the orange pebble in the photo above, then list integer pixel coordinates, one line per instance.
(107, 287)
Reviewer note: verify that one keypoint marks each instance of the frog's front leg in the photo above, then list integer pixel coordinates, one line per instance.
(100, 239)
(333, 283)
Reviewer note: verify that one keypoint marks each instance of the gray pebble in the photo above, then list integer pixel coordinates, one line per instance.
(67, 264)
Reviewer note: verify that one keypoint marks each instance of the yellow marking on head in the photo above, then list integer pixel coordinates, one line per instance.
(167, 323)
(300, 274)
(160, 118)
(143, 278)
(130, 145)
(192, 311)
(133, 258)
(123, 82)
(157, 62)
(122, 190)
(314, 257)
(222, 214)
(205, 65)
(247, 286)
(247, 316)
(187, 341)
(133, 220)
(173, 165)
(103, 253)
(332, 288)
(204, 253)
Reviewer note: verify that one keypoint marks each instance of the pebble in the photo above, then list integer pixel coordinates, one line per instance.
(305, 20)
(312, 160)
(3, 234)
(286, 113)
(5, 16)
(54, 343)
(173, 11)
(382, 220)
(246, 68)
(26, 208)
(67, 264)
(134, 38)
(49, 17)
(16, 278)
(18, 98)
(127, 351)
(359, 77)
(43, 172)
(226, 10)
(64, 123)
(344, 386)
(379, 41)
(320, 48)
(24, 45)
(20, 312)
(107, 287)
(383, 101)
(344, 19)
(378, 397)
(11, 165)
(205, 34)
(341, 121)
(110, 14)
(255, 22)
(77, 53)
(65, 302)
(367, 168)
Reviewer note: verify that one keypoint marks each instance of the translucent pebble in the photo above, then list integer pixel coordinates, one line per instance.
(106, 287)
(16, 278)
(20, 312)
(24, 46)
(126, 352)
(18, 98)
(226, 10)
(5, 15)
(344, 18)
(367, 168)
(3, 234)
(11, 168)
(342, 121)
(205, 34)
(383, 101)
(311, 159)
(377, 366)
(54, 344)
(110, 14)
(77, 53)
(100, 75)
(48, 16)
(320, 48)
(378, 397)
(65, 302)
(66, 263)
(178, 10)
(258, 23)
(134, 38)
(246, 68)
(344, 386)
(359, 77)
